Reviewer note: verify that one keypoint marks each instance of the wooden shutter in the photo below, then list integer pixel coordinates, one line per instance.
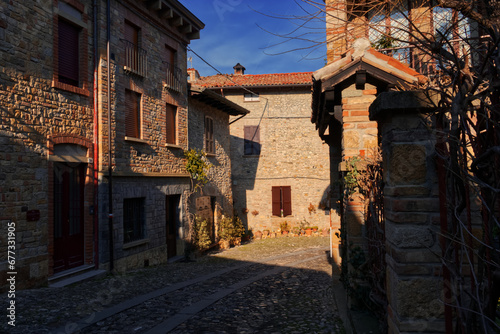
(276, 198)
(131, 49)
(252, 140)
(286, 193)
(171, 135)
(132, 114)
(209, 135)
(68, 52)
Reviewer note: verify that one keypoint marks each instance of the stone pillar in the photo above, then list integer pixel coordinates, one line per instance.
(411, 207)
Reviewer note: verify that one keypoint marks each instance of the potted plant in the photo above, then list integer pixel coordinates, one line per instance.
(284, 227)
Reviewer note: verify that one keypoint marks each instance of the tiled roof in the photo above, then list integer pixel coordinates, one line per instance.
(249, 80)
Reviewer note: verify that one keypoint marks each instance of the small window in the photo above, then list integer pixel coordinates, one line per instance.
(209, 135)
(68, 53)
(249, 97)
(133, 219)
(282, 201)
(171, 119)
(132, 114)
(252, 140)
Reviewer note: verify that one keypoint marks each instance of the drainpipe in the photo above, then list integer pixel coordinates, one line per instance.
(96, 142)
(110, 160)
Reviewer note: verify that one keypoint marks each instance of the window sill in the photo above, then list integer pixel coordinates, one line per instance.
(135, 243)
(174, 146)
(136, 140)
(211, 155)
(70, 88)
(251, 156)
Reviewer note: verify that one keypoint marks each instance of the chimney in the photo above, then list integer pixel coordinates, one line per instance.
(239, 69)
(193, 74)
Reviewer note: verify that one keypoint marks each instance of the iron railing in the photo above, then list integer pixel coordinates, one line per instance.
(136, 60)
(174, 78)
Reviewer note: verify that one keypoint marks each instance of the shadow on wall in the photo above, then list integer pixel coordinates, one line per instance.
(244, 171)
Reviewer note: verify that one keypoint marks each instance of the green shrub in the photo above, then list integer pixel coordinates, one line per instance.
(202, 234)
(231, 228)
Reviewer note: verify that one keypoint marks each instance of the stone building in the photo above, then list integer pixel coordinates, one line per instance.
(208, 129)
(280, 168)
(55, 133)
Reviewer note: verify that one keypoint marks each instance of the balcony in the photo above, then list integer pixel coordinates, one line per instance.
(175, 78)
(136, 61)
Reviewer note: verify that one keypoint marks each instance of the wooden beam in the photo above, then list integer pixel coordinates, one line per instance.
(194, 35)
(154, 4)
(187, 29)
(177, 22)
(166, 13)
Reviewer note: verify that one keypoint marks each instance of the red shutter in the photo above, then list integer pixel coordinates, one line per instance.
(171, 124)
(276, 195)
(132, 114)
(68, 53)
(287, 200)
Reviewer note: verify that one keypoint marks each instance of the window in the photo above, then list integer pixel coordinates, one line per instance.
(252, 140)
(173, 76)
(171, 121)
(135, 57)
(70, 51)
(209, 135)
(132, 114)
(249, 97)
(133, 219)
(282, 201)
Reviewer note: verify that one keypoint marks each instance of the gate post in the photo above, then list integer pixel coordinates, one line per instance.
(411, 208)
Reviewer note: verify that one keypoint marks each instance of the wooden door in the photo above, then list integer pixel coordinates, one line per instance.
(69, 184)
(172, 223)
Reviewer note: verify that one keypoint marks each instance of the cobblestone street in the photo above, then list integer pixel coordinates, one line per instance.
(281, 285)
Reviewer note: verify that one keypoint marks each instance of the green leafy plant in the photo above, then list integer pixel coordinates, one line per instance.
(231, 228)
(197, 166)
(352, 175)
(202, 238)
(284, 226)
(385, 42)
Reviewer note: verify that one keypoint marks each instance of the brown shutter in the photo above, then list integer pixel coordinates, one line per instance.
(132, 36)
(171, 135)
(68, 53)
(209, 135)
(252, 140)
(248, 139)
(131, 33)
(256, 141)
(276, 197)
(132, 114)
(287, 200)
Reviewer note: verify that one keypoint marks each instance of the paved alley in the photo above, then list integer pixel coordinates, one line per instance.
(281, 285)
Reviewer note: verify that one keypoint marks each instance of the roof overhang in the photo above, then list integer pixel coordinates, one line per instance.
(217, 101)
(360, 66)
(177, 16)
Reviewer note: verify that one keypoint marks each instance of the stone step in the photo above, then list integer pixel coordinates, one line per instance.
(74, 275)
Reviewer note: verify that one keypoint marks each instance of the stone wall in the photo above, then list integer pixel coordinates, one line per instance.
(219, 185)
(292, 155)
(34, 109)
(147, 166)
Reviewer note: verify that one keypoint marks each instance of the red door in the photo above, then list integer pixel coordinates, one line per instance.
(69, 185)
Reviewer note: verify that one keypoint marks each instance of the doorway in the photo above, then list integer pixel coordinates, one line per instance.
(172, 211)
(69, 185)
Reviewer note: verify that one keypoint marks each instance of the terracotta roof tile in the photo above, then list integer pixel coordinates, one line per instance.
(248, 80)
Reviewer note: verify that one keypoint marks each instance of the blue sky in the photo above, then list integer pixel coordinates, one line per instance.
(232, 35)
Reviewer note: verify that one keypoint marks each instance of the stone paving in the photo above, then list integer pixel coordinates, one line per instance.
(281, 285)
